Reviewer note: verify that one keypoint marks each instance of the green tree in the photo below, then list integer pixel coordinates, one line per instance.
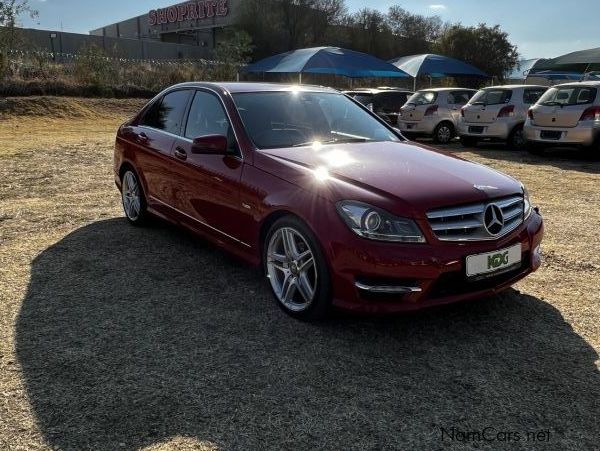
(414, 26)
(485, 47)
(232, 53)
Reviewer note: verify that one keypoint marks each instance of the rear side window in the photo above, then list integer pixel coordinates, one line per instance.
(568, 95)
(167, 114)
(492, 97)
(531, 95)
(459, 97)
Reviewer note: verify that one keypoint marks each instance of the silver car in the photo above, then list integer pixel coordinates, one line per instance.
(498, 113)
(567, 114)
(433, 112)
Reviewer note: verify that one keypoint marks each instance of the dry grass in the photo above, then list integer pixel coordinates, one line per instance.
(113, 337)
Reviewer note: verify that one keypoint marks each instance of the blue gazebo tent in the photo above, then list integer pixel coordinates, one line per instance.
(435, 66)
(326, 60)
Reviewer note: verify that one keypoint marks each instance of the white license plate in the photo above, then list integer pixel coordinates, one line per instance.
(491, 262)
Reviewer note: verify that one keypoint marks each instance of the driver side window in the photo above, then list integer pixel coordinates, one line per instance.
(207, 117)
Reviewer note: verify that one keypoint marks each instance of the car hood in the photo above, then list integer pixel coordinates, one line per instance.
(406, 175)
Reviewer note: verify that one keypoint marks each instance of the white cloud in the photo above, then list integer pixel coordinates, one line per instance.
(438, 7)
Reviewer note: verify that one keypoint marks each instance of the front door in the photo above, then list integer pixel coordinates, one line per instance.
(207, 187)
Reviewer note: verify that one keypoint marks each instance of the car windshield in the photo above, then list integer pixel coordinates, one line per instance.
(295, 118)
(491, 97)
(568, 95)
(422, 98)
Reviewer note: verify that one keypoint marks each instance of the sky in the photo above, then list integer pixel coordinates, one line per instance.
(540, 29)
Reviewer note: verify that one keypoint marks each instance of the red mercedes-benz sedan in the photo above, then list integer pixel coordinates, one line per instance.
(334, 203)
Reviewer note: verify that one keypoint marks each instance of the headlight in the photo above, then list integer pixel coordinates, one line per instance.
(527, 208)
(376, 224)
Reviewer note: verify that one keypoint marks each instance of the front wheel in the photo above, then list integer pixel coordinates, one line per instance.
(443, 133)
(468, 141)
(297, 270)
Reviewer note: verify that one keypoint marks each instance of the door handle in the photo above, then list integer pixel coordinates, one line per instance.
(180, 153)
(143, 138)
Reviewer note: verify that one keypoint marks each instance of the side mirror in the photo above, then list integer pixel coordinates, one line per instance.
(210, 144)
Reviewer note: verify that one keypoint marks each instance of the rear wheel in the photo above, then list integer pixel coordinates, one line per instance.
(516, 139)
(297, 270)
(443, 133)
(132, 196)
(469, 141)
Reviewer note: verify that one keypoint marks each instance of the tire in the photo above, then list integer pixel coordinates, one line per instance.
(516, 139)
(301, 289)
(469, 141)
(443, 133)
(133, 198)
(535, 148)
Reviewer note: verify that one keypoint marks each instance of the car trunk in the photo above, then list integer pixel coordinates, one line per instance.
(481, 114)
(484, 107)
(563, 106)
(556, 116)
(412, 112)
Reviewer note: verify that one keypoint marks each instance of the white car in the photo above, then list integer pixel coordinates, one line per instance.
(498, 113)
(567, 114)
(433, 112)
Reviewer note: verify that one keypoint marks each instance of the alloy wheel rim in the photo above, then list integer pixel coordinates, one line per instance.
(292, 269)
(444, 134)
(131, 196)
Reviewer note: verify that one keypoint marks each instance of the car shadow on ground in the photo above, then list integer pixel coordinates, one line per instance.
(129, 336)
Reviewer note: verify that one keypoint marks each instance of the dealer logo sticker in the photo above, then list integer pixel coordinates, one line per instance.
(497, 260)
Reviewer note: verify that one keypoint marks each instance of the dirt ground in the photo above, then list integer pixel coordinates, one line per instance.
(114, 337)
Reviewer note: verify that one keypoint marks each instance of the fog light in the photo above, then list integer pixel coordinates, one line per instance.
(537, 252)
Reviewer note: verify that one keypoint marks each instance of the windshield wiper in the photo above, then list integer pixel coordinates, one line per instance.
(346, 139)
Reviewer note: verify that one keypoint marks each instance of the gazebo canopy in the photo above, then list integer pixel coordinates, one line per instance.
(436, 66)
(523, 67)
(327, 60)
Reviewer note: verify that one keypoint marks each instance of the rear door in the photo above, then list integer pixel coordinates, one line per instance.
(456, 100)
(563, 106)
(486, 104)
(154, 137)
(207, 187)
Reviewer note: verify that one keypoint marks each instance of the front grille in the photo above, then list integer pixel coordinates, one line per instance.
(466, 223)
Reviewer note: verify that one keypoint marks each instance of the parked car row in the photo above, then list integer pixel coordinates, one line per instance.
(531, 117)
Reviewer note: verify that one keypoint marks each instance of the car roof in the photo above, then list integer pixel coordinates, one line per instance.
(237, 87)
(447, 89)
(514, 86)
(587, 83)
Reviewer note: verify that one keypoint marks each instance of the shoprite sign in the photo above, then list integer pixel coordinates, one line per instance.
(188, 11)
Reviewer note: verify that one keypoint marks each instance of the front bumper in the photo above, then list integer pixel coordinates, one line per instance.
(499, 129)
(582, 135)
(436, 269)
